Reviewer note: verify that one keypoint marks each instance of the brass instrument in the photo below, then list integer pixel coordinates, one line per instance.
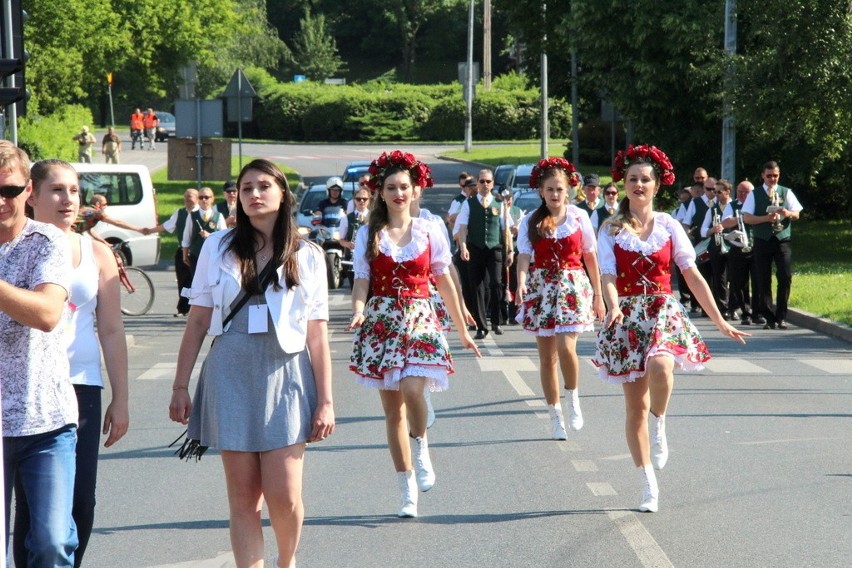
(717, 238)
(742, 228)
(775, 207)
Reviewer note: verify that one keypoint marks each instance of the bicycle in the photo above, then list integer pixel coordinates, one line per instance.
(137, 290)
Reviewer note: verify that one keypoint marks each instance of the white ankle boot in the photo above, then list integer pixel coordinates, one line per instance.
(408, 489)
(430, 410)
(575, 416)
(557, 423)
(659, 445)
(423, 464)
(650, 490)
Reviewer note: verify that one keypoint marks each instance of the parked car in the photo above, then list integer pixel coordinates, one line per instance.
(131, 197)
(504, 174)
(355, 170)
(527, 201)
(310, 200)
(521, 180)
(166, 128)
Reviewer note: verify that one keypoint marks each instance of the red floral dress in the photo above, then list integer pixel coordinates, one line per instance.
(401, 335)
(655, 323)
(559, 295)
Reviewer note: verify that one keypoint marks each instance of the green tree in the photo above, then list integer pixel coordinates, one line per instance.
(314, 50)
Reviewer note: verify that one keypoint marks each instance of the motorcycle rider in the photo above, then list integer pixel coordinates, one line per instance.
(333, 208)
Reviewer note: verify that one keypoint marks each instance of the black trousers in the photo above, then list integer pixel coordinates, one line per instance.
(719, 279)
(765, 254)
(483, 271)
(740, 294)
(184, 274)
(468, 297)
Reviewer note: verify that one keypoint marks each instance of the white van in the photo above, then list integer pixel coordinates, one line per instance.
(130, 197)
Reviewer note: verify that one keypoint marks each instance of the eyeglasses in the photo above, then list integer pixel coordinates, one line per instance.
(611, 193)
(363, 183)
(486, 181)
(709, 189)
(362, 199)
(11, 191)
(721, 190)
(205, 197)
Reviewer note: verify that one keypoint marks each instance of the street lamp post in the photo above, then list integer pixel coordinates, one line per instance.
(545, 121)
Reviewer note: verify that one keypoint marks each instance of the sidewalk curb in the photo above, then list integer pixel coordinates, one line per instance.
(818, 324)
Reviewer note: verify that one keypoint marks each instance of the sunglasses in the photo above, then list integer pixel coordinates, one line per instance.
(486, 181)
(611, 193)
(363, 183)
(205, 197)
(11, 191)
(359, 199)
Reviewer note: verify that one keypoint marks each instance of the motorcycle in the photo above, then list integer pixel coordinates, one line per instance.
(338, 259)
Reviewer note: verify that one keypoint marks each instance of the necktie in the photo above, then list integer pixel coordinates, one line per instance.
(610, 210)
(206, 216)
(486, 201)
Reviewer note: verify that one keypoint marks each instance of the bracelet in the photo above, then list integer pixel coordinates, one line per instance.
(180, 388)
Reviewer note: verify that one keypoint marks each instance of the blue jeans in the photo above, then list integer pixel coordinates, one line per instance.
(45, 464)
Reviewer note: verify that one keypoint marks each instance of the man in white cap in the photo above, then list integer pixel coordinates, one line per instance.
(85, 141)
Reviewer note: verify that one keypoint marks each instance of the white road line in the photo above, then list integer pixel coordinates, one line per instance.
(830, 366)
(162, 371)
(782, 441)
(584, 465)
(570, 446)
(223, 560)
(617, 457)
(734, 365)
(510, 367)
(601, 488)
(640, 540)
(536, 403)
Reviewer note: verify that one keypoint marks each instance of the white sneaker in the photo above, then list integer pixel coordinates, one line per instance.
(557, 423)
(650, 490)
(659, 445)
(575, 415)
(430, 410)
(423, 464)
(408, 490)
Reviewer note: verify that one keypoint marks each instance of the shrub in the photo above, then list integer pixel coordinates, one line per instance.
(50, 136)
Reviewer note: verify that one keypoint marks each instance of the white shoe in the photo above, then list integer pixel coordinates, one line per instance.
(659, 445)
(408, 489)
(557, 423)
(423, 464)
(650, 490)
(430, 410)
(575, 415)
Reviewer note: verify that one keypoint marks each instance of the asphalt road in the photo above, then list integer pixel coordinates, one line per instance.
(760, 472)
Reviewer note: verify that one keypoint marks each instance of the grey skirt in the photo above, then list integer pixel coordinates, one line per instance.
(251, 395)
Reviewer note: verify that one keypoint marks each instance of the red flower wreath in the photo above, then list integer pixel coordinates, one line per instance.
(559, 163)
(645, 154)
(419, 172)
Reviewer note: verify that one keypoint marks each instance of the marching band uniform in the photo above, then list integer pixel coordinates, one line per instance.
(740, 266)
(718, 260)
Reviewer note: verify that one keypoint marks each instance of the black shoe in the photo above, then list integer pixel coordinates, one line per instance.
(745, 321)
(726, 316)
(471, 328)
(769, 325)
(782, 324)
(497, 330)
(481, 334)
(759, 320)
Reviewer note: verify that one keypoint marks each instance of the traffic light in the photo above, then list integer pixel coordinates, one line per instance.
(13, 63)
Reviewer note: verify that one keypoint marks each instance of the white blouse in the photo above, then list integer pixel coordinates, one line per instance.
(575, 220)
(665, 229)
(423, 235)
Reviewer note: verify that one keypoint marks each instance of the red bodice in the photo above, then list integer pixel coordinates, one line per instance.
(406, 279)
(640, 274)
(564, 253)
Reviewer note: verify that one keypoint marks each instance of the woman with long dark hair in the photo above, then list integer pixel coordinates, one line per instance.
(647, 333)
(557, 299)
(265, 386)
(399, 347)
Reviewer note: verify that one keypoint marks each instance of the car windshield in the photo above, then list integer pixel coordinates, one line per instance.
(312, 198)
(164, 116)
(353, 172)
(528, 201)
(522, 177)
(502, 175)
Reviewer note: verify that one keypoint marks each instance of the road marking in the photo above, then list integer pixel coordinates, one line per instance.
(830, 366)
(782, 441)
(601, 488)
(640, 540)
(734, 365)
(617, 457)
(223, 560)
(536, 403)
(160, 371)
(510, 367)
(584, 465)
(570, 446)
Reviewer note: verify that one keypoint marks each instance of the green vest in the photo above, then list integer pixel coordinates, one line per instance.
(353, 226)
(763, 231)
(584, 205)
(196, 242)
(483, 226)
(180, 224)
(698, 218)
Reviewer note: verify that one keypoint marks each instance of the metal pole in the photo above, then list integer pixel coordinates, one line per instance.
(575, 114)
(8, 50)
(486, 45)
(729, 130)
(240, 115)
(468, 107)
(198, 145)
(111, 110)
(545, 121)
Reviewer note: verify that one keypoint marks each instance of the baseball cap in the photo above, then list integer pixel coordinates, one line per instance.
(470, 182)
(334, 182)
(591, 179)
(229, 186)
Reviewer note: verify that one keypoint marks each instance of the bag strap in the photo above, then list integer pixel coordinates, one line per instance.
(265, 277)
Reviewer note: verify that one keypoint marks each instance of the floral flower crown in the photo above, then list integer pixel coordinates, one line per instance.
(558, 163)
(420, 173)
(645, 154)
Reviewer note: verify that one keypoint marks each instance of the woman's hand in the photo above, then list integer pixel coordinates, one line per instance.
(357, 320)
(613, 317)
(468, 317)
(598, 307)
(181, 406)
(323, 422)
(116, 421)
(731, 332)
(520, 293)
(468, 343)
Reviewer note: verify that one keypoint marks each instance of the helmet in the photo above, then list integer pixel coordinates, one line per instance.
(334, 182)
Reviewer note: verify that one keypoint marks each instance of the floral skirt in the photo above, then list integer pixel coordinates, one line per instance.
(398, 339)
(441, 309)
(557, 302)
(653, 325)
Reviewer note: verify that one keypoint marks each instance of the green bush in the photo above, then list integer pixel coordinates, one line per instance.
(50, 136)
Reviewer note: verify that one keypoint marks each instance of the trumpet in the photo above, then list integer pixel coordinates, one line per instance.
(717, 238)
(741, 226)
(777, 227)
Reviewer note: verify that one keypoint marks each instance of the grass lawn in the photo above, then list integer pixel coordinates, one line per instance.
(822, 250)
(170, 197)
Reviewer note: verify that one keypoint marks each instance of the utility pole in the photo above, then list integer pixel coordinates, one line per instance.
(545, 120)
(729, 130)
(486, 45)
(468, 104)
